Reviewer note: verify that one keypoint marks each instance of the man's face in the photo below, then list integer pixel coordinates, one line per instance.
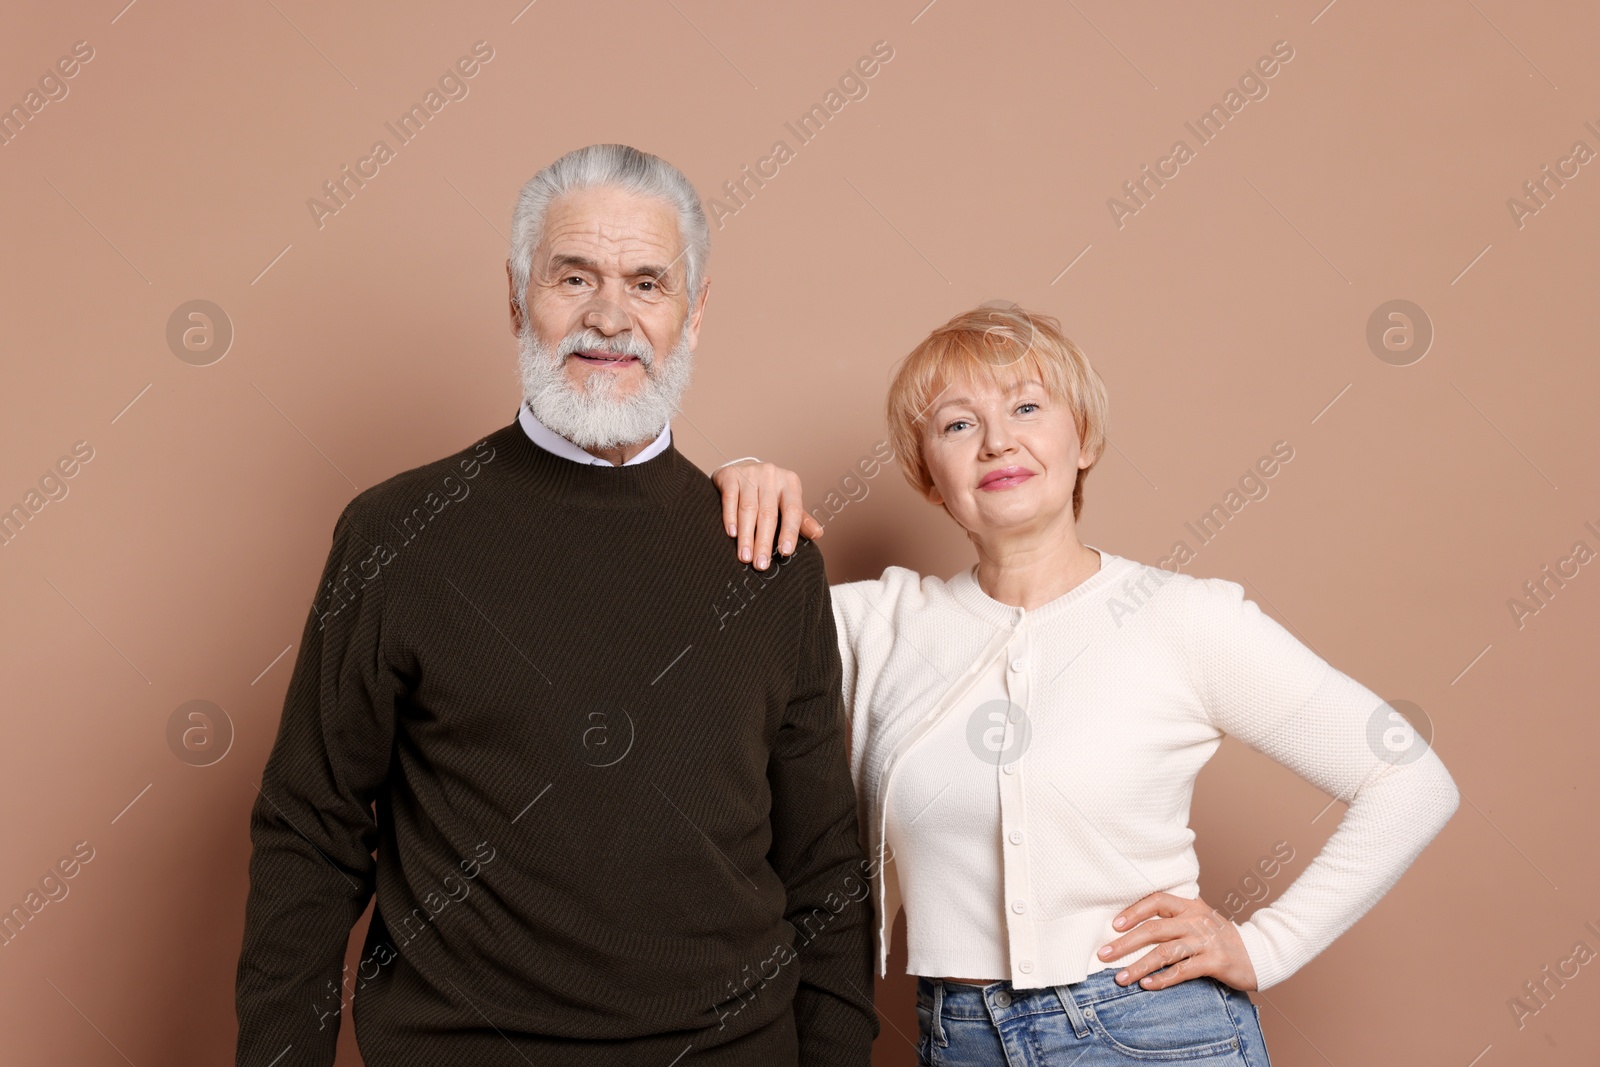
(610, 263)
(607, 340)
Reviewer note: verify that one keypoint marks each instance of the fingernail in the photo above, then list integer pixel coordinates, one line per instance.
(744, 554)
(733, 531)
(1119, 922)
(1105, 952)
(787, 548)
(761, 562)
(1122, 976)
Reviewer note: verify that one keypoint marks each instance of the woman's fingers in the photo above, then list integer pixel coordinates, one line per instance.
(738, 505)
(796, 520)
(761, 501)
(1182, 958)
(1149, 932)
(1174, 966)
(1147, 907)
(727, 483)
(1191, 939)
(766, 517)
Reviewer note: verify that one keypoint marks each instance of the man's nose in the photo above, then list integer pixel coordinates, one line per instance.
(605, 316)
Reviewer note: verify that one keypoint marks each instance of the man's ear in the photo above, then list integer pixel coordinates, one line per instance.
(516, 312)
(696, 309)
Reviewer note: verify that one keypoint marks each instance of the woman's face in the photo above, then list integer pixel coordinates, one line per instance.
(1003, 460)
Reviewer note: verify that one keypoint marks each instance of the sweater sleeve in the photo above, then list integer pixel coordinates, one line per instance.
(817, 854)
(312, 827)
(1263, 686)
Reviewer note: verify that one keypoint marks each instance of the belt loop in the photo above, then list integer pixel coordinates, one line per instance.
(938, 1013)
(1070, 1004)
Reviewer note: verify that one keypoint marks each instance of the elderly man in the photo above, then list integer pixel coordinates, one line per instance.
(594, 767)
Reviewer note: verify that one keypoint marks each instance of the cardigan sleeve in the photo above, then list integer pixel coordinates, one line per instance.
(1259, 683)
(848, 601)
(863, 614)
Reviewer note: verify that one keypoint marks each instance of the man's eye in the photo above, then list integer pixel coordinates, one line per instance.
(573, 278)
(648, 286)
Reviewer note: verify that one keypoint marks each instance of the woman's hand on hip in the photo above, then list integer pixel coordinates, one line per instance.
(1191, 937)
(755, 497)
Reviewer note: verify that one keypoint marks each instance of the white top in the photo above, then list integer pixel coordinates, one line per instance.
(1129, 681)
(550, 441)
(946, 824)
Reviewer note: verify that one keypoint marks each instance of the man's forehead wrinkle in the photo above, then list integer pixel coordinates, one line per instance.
(609, 231)
(597, 242)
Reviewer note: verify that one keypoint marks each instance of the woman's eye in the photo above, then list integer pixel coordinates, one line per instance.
(953, 425)
(1029, 404)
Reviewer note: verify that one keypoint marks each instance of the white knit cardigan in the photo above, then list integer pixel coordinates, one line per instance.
(1134, 676)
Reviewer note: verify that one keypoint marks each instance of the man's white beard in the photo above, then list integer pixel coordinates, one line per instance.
(595, 417)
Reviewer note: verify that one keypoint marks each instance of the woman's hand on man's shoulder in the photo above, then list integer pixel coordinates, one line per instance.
(760, 502)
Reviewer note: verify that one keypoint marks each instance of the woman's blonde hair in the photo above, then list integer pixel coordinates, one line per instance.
(1005, 342)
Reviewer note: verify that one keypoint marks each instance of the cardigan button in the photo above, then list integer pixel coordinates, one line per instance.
(1016, 837)
(1018, 664)
(1026, 966)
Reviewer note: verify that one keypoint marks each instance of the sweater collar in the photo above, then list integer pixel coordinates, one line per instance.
(969, 594)
(654, 482)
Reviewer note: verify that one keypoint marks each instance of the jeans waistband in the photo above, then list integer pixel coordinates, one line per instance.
(958, 1000)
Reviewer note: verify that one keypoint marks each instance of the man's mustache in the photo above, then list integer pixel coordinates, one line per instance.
(623, 344)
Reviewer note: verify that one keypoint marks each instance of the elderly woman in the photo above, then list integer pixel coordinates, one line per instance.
(1026, 736)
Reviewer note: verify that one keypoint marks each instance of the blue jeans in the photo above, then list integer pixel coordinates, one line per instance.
(1092, 1023)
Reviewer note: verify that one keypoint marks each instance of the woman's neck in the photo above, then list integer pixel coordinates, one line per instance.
(1030, 574)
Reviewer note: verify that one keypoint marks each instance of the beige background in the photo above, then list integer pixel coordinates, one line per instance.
(1228, 314)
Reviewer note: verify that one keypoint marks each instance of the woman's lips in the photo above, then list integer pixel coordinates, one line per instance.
(1005, 478)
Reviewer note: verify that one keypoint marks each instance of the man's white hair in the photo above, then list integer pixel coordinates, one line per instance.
(599, 165)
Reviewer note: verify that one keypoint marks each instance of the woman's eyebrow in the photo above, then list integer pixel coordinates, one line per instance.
(1016, 387)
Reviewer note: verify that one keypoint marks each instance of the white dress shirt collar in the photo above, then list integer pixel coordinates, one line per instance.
(550, 441)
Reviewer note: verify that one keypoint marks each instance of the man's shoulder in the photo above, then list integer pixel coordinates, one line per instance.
(427, 487)
(703, 499)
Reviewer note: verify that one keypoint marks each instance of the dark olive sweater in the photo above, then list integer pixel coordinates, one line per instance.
(595, 769)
